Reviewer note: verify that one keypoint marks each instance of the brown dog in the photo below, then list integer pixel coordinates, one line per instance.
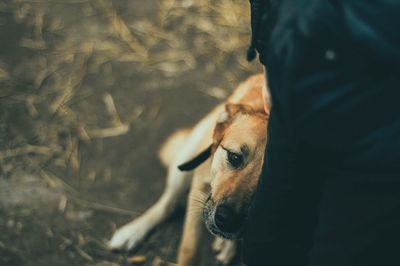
(225, 150)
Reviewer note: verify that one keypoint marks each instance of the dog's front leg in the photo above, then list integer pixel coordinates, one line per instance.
(225, 250)
(133, 233)
(194, 228)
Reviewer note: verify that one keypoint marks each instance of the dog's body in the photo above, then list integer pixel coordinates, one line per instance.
(221, 187)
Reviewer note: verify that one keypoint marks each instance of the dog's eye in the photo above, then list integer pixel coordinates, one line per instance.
(236, 160)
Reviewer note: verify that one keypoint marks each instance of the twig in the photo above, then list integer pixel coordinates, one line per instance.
(121, 29)
(9, 249)
(159, 262)
(73, 196)
(109, 132)
(83, 254)
(111, 109)
(42, 150)
(101, 207)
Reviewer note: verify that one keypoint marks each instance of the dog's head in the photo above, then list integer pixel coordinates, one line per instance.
(237, 155)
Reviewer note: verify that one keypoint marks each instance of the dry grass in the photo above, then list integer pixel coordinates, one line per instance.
(50, 105)
(39, 123)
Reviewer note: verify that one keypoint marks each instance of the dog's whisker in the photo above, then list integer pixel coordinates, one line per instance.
(198, 206)
(195, 211)
(194, 196)
(198, 199)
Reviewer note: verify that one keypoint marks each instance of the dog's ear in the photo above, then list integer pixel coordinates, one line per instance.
(233, 108)
(223, 120)
(197, 160)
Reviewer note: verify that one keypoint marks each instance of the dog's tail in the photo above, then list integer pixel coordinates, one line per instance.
(172, 145)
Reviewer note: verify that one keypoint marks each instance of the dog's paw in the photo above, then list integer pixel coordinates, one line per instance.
(127, 237)
(225, 250)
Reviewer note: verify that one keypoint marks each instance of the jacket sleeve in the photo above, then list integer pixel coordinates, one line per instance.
(373, 26)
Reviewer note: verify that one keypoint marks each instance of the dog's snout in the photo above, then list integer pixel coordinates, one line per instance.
(226, 219)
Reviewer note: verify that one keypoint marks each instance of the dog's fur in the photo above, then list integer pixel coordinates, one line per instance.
(238, 127)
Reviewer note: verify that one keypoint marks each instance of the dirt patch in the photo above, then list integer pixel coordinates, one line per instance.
(88, 92)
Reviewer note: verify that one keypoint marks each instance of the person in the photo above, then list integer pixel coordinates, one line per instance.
(329, 192)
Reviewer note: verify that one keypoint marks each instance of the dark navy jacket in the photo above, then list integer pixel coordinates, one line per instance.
(329, 193)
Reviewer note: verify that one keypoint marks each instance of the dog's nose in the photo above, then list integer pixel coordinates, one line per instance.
(226, 219)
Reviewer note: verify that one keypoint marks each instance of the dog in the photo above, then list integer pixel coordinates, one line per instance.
(224, 153)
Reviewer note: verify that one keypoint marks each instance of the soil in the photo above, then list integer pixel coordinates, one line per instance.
(57, 215)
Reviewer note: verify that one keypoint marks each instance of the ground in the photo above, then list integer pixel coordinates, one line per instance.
(88, 92)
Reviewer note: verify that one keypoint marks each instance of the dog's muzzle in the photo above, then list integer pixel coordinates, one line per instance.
(222, 220)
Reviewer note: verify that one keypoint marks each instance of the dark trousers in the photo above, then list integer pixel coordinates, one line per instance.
(358, 224)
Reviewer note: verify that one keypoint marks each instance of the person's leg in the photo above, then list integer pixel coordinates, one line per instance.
(359, 223)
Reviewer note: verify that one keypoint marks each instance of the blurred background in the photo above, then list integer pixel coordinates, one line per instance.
(89, 89)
